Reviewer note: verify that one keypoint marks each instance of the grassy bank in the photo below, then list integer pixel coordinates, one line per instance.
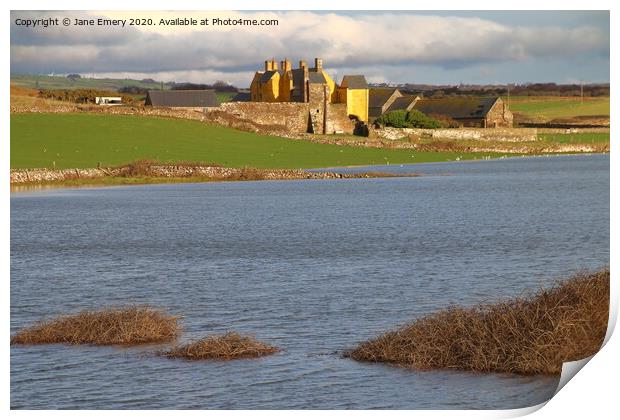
(530, 335)
(152, 172)
(127, 326)
(85, 140)
(545, 143)
(111, 181)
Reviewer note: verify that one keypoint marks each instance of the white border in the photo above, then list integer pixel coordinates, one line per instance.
(591, 394)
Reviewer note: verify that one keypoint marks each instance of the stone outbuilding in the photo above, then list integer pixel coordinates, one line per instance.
(404, 103)
(380, 99)
(469, 111)
(182, 98)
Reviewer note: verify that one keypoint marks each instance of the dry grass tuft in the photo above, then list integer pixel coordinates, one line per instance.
(130, 325)
(530, 335)
(224, 347)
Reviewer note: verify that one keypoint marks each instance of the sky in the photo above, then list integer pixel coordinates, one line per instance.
(442, 47)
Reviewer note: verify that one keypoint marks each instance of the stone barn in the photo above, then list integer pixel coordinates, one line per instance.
(468, 111)
(182, 98)
(380, 99)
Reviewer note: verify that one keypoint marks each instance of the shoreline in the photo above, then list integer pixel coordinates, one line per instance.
(506, 156)
(146, 172)
(156, 173)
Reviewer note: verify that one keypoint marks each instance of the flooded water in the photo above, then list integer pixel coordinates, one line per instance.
(313, 267)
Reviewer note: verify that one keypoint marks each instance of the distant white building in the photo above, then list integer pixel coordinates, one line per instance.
(108, 100)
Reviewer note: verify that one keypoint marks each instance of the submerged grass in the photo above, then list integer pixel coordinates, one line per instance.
(129, 326)
(530, 335)
(224, 347)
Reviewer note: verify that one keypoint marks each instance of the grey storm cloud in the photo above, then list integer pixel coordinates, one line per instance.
(343, 41)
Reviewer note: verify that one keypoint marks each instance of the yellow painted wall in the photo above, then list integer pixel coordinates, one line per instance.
(357, 103)
(271, 89)
(333, 94)
(266, 92)
(286, 85)
(278, 89)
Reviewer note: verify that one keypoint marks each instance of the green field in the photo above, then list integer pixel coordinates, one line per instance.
(84, 140)
(224, 96)
(552, 107)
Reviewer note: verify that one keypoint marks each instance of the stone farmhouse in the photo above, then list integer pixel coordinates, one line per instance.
(469, 111)
(307, 100)
(326, 102)
(312, 85)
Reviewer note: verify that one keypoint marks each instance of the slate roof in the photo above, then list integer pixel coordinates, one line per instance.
(457, 107)
(298, 84)
(354, 82)
(378, 96)
(298, 76)
(242, 97)
(401, 103)
(267, 75)
(182, 98)
(315, 77)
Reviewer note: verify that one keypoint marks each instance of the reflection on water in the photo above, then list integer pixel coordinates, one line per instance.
(26, 188)
(313, 267)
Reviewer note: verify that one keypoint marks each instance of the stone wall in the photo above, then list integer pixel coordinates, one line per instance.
(281, 118)
(471, 122)
(338, 119)
(488, 134)
(182, 113)
(42, 175)
(278, 116)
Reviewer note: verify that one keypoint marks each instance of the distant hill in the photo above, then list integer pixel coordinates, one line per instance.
(131, 87)
(526, 89)
(61, 82)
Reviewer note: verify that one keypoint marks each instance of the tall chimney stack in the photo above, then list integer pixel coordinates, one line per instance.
(318, 64)
(304, 88)
(286, 65)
